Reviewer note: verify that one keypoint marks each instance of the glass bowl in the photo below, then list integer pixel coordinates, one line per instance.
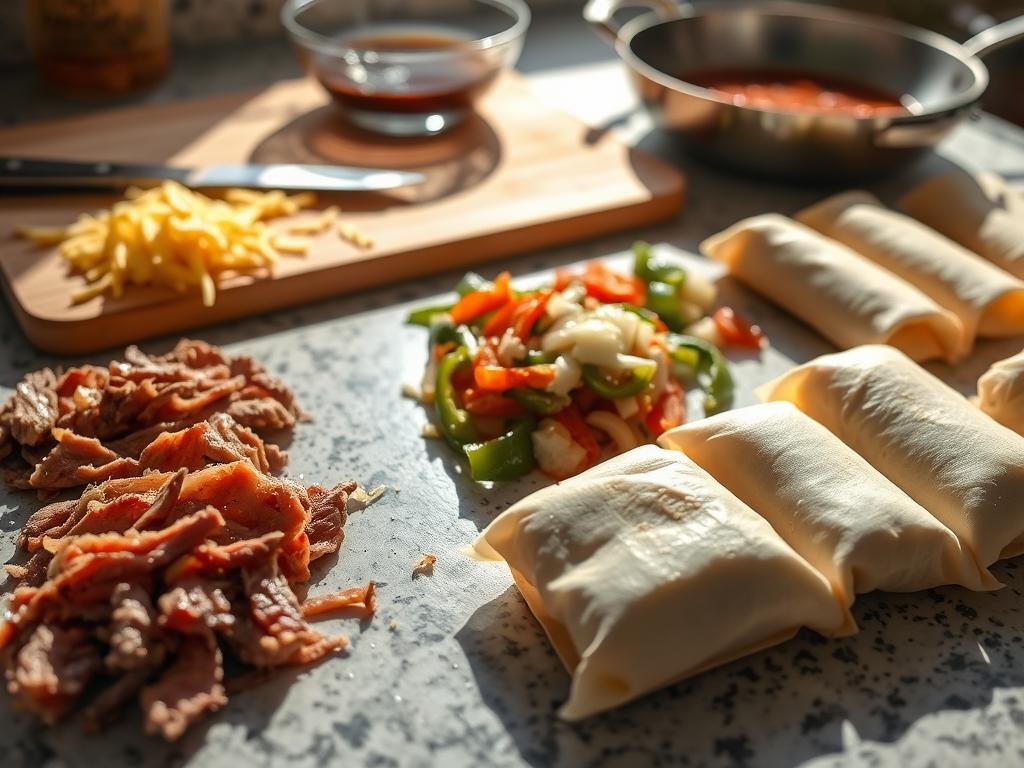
(406, 67)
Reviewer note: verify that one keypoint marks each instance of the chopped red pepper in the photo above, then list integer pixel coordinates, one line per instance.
(477, 303)
(502, 319)
(572, 420)
(533, 310)
(495, 378)
(737, 330)
(481, 403)
(609, 286)
(669, 411)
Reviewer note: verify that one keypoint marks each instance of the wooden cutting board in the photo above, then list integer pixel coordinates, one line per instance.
(517, 176)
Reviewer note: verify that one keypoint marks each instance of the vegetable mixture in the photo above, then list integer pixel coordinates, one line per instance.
(553, 378)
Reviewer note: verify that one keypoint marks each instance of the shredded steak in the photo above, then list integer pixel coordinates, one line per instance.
(327, 515)
(192, 685)
(52, 668)
(182, 540)
(32, 411)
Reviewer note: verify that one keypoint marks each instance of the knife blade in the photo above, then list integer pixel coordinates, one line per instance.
(23, 173)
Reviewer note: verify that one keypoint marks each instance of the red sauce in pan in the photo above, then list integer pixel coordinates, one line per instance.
(796, 92)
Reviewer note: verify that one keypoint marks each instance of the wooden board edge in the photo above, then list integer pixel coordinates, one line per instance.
(106, 332)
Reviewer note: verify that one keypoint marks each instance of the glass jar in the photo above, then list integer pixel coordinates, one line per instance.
(100, 47)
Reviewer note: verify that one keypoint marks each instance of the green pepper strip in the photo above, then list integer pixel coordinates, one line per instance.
(456, 425)
(647, 315)
(443, 330)
(470, 282)
(544, 403)
(508, 457)
(664, 285)
(663, 299)
(708, 367)
(536, 357)
(650, 268)
(639, 379)
(424, 315)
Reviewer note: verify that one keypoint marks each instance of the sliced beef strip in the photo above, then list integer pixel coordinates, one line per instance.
(77, 460)
(163, 503)
(328, 513)
(33, 572)
(197, 606)
(178, 401)
(264, 413)
(277, 458)
(218, 559)
(46, 519)
(88, 568)
(220, 439)
(189, 687)
(253, 504)
(274, 632)
(194, 353)
(133, 635)
(31, 412)
(133, 444)
(52, 668)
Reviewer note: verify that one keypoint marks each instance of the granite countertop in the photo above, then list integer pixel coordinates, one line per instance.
(453, 670)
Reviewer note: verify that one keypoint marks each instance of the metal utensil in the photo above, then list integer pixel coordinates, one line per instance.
(38, 174)
(940, 81)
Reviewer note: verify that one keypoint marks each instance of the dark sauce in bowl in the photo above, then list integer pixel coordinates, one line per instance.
(431, 84)
(797, 92)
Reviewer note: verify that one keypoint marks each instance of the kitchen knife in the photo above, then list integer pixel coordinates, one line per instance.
(38, 174)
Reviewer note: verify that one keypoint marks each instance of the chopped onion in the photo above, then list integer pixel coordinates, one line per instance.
(510, 349)
(705, 329)
(660, 380)
(644, 336)
(627, 407)
(567, 376)
(700, 291)
(557, 454)
(615, 427)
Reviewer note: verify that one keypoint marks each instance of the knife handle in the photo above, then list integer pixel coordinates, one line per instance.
(41, 174)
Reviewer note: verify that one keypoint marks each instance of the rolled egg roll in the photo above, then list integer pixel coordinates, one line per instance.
(832, 507)
(987, 300)
(1001, 392)
(644, 570)
(983, 213)
(952, 459)
(849, 299)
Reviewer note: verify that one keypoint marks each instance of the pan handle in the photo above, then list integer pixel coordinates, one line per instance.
(995, 37)
(601, 13)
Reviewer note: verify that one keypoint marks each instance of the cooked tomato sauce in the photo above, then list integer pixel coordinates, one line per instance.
(796, 92)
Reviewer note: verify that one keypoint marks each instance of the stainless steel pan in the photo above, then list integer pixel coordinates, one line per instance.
(940, 81)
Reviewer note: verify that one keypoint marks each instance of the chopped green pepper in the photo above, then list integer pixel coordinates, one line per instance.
(456, 425)
(637, 380)
(705, 363)
(651, 268)
(536, 357)
(663, 299)
(508, 457)
(647, 315)
(424, 315)
(471, 281)
(443, 330)
(664, 281)
(545, 403)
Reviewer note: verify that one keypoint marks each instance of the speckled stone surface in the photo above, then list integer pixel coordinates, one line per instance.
(454, 671)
